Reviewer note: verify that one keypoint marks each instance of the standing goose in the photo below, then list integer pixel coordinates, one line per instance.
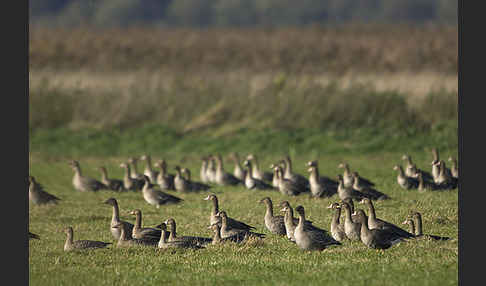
(115, 219)
(291, 222)
(256, 172)
(252, 183)
(134, 174)
(217, 236)
(412, 171)
(180, 183)
(139, 232)
(435, 168)
(405, 182)
(376, 223)
(130, 183)
(37, 194)
(286, 186)
(164, 179)
(72, 244)
(274, 224)
(157, 197)
(444, 179)
(367, 190)
(223, 178)
(320, 186)
(227, 230)
(164, 242)
(194, 186)
(82, 183)
(416, 226)
(238, 171)
(376, 238)
(426, 185)
(148, 171)
(347, 192)
(203, 171)
(350, 203)
(348, 178)
(111, 184)
(351, 228)
(171, 223)
(211, 169)
(298, 179)
(275, 179)
(454, 168)
(337, 229)
(126, 239)
(311, 239)
(215, 219)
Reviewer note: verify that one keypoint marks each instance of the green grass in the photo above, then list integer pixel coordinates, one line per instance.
(275, 262)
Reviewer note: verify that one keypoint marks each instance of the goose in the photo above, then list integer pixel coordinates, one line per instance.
(426, 185)
(252, 183)
(415, 224)
(308, 239)
(194, 186)
(348, 178)
(164, 242)
(274, 223)
(320, 186)
(217, 236)
(298, 179)
(405, 182)
(72, 244)
(180, 183)
(134, 174)
(454, 169)
(347, 192)
(130, 183)
(435, 168)
(148, 171)
(352, 228)
(376, 238)
(227, 230)
(444, 179)
(164, 179)
(215, 219)
(412, 171)
(211, 169)
(223, 178)
(238, 171)
(37, 194)
(126, 240)
(82, 183)
(111, 184)
(286, 186)
(337, 229)
(350, 203)
(171, 223)
(115, 219)
(275, 179)
(157, 197)
(139, 232)
(291, 222)
(256, 172)
(203, 171)
(367, 190)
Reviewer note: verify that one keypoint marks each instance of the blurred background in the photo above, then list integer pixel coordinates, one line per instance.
(109, 78)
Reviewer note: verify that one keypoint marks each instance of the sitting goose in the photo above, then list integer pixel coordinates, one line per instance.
(164, 242)
(157, 197)
(227, 230)
(454, 168)
(286, 186)
(347, 192)
(37, 194)
(405, 182)
(376, 238)
(252, 183)
(275, 179)
(348, 178)
(352, 228)
(33, 236)
(139, 232)
(274, 224)
(311, 239)
(291, 222)
(194, 186)
(238, 172)
(82, 183)
(337, 229)
(367, 190)
(417, 231)
(134, 174)
(115, 219)
(164, 179)
(111, 184)
(130, 183)
(298, 179)
(217, 236)
(126, 239)
(149, 172)
(215, 219)
(194, 239)
(444, 179)
(81, 244)
(223, 178)
(320, 186)
(376, 223)
(256, 173)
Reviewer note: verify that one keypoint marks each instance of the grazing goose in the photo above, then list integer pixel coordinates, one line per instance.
(320, 186)
(180, 183)
(274, 224)
(291, 222)
(126, 239)
(82, 183)
(148, 171)
(33, 236)
(415, 224)
(412, 171)
(238, 171)
(111, 184)
(252, 183)
(376, 238)
(227, 230)
(311, 239)
(223, 178)
(215, 219)
(115, 219)
(405, 182)
(256, 173)
(376, 223)
(194, 186)
(37, 194)
(454, 168)
(130, 183)
(164, 242)
(134, 174)
(444, 179)
(164, 179)
(286, 186)
(193, 239)
(298, 179)
(217, 236)
(81, 244)
(139, 232)
(367, 190)
(157, 197)
(347, 192)
(211, 169)
(352, 228)
(337, 229)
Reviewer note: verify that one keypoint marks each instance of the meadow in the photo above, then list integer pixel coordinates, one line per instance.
(89, 101)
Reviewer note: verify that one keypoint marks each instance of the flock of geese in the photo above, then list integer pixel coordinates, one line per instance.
(350, 187)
